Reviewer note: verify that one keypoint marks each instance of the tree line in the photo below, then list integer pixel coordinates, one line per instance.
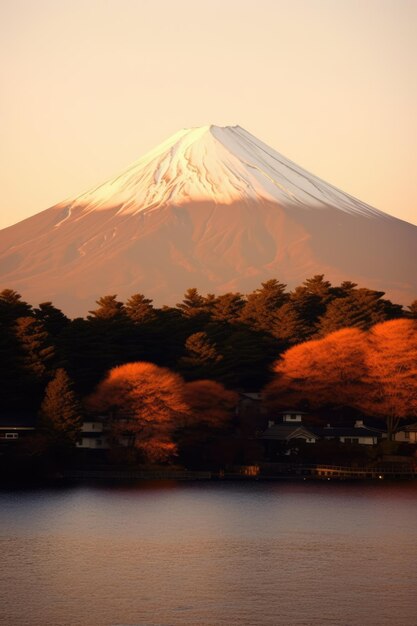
(231, 340)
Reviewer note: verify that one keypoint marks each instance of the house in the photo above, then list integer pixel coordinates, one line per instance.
(93, 435)
(14, 427)
(249, 403)
(288, 427)
(359, 433)
(407, 433)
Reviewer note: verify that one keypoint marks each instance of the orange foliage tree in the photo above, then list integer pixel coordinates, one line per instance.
(375, 372)
(322, 372)
(391, 378)
(155, 408)
(210, 415)
(144, 402)
(210, 404)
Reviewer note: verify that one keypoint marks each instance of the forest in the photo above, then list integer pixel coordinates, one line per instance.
(169, 376)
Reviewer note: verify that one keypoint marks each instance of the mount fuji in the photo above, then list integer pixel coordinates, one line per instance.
(211, 207)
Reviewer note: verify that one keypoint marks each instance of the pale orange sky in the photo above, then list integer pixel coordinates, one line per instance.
(88, 86)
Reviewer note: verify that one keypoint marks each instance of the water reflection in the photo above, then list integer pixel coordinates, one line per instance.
(188, 554)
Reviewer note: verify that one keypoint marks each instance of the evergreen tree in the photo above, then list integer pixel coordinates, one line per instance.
(12, 375)
(110, 340)
(60, 414)
(247, 356)
(140, 309)
(345, 289)
(361, 308)
(53, 319)
(36, 349)
(193, 303)
(12, 306)
(108, 309)
(202, 357)
(227, 308)
(262, 305)
(289, 326)
(320, 287)
(311, 299)
(413, 310)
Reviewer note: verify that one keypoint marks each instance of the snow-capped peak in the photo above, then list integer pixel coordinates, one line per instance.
(220, 164)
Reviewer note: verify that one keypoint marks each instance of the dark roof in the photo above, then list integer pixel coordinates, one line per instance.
(287, 431)
(349, 431)
(18, 420)
(292, 412)
(408, 427)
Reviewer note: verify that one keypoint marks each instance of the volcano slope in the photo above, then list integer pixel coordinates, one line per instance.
(212, 208)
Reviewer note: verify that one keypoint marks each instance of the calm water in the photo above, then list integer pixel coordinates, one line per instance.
(214, 554)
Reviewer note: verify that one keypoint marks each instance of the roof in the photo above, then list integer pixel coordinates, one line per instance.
(18, 420)
(349, 431)
(408, 427)
(251, 395)
(286, 430)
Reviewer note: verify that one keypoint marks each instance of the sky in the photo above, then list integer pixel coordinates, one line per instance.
(88, 86)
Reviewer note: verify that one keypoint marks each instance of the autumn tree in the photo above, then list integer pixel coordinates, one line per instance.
(60, 413)
(374, 372)
(144, 402)
(211, 404)
(323, 372)
(211, 410)
(391, 373)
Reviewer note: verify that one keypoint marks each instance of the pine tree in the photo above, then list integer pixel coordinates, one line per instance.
(311, 299)
(193, 303)
(139, 309)
(413, 310)
(201, 359)
(247, 356)
(361, 308)
(289, 326)
(60, 414)
(109, 334)
(227, 308)
(12, 306)
(53, 319)
(261, 306)
(13, 391)
(36, 349)
(108, 309)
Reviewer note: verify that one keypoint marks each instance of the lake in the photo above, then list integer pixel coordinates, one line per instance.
(170, 554)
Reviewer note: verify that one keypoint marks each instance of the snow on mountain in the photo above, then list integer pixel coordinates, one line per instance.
(218, 164)
(211, 207)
